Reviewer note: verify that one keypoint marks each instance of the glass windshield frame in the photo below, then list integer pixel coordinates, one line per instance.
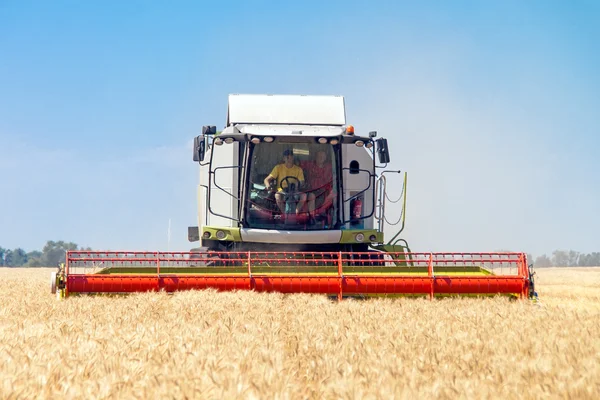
(262, 206)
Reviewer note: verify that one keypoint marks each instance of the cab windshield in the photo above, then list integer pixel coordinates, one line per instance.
(292, 186)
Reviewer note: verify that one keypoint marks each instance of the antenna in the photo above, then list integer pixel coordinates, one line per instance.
(169, 236)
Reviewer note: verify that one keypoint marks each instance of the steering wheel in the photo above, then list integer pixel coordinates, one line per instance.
(286, 179)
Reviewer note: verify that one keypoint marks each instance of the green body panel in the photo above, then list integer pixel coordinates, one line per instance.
(391, 248)
(300, 270)
(348, 236)
(396, 252)
(233, 234)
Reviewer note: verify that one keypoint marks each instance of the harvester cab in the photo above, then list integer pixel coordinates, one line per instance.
(288, 174)
(291, 199)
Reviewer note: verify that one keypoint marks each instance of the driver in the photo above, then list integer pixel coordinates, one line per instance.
(294, 175)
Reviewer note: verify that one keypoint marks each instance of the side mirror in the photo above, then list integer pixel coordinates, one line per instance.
(199, 148)
(209, 130)
(382, 151)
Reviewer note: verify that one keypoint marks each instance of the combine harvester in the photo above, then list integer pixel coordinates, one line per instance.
(292, 200)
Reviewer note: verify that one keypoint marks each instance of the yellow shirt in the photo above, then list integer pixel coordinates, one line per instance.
(281, 171)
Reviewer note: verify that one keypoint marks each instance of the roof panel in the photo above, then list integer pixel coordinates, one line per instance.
(286, 109)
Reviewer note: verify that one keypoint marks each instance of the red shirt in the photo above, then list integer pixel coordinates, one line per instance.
(318, 177)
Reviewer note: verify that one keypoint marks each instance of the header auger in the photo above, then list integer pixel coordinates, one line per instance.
(291, 200)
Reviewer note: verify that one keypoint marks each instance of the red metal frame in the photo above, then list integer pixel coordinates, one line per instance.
(342, 283)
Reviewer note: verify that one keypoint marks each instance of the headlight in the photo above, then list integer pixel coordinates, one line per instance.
(322, 140)
(369, 145)
(229, 140)
(221, 235)
(359, 143)
(218, 142)
(268, 139)
(334, 141)
(255, 140)
(373, 238)
(359, 237)
(206, 235)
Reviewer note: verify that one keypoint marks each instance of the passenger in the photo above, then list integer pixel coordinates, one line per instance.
(320, 181)
(285, 170)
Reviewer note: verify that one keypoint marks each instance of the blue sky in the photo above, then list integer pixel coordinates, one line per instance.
(493, 108)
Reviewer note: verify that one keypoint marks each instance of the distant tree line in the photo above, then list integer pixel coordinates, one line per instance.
(571, 258)
(51, 255)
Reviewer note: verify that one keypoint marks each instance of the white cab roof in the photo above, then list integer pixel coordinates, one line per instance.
(286, 109)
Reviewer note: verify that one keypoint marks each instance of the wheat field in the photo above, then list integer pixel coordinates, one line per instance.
(251, 345)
